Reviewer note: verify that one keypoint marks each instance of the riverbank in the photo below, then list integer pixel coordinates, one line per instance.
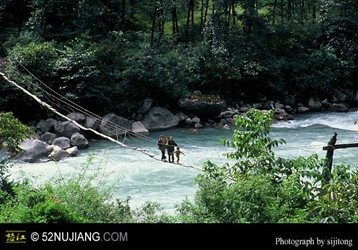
(56, 139)
(133, 174)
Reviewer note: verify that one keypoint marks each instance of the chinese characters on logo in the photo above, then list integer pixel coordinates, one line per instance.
(15, 236)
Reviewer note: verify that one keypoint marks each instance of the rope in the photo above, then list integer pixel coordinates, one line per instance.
(109, 124)
(75, 107)
(49, 107)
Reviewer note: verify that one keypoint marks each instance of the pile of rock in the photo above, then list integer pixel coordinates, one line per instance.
(214, 112)
(54, 140)
(58, 140)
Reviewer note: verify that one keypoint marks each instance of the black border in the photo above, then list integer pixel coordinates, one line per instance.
(188, 236)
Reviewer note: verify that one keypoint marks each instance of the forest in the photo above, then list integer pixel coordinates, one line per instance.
(108, 55)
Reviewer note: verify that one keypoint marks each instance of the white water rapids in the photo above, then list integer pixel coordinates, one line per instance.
(131, 173)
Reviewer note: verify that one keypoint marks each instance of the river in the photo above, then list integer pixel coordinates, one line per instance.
(136, 175)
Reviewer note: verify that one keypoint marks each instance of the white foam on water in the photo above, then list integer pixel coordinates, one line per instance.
(131, 173)
(345, 121)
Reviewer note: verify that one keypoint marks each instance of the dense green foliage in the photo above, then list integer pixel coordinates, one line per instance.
(109, 55)
(115, 53)
(83, 197)
(261, 188)
(255, 186)
(80, 198)
(12, 133)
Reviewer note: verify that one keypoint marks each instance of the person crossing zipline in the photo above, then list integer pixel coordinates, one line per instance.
(51, 94)
(162, 145)
(177, 153)
(170, 147)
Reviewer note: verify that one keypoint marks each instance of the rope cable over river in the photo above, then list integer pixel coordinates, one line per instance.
(169, 184)
(76, 107)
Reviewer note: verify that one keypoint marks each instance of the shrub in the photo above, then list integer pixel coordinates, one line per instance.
(261, 188)
(12, 133)
(78, 199)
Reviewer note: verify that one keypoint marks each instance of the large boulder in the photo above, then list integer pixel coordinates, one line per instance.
(281, 115)
(35, 151)
(338, 107)
(159, 118)
(182, 117)
(77, 117)
(314, 104)
(340, 95)
(146, 105)
(59, 154)
(62, 142)
(355, 97)
(139, 128)
(79, 140)
(72, 151)
(302, 109)
(66, 129)
(46, 125)
(92, 122)
(114, 125)
(202, 105)
(47, 137)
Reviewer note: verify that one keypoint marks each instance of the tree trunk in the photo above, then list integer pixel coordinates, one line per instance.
(192, 11)
(202, 15)
(314, 10)
(226, 19)
(20, 12)
(175, 25)
(302, 10)
(190, 16)
(274, 12)
(233, 14)
(289, 9)
(206, 11)
(43, 19)
(160, 13)
(123, 13)
(153, 24)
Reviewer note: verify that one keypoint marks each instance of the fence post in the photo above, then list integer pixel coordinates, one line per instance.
(329, 155)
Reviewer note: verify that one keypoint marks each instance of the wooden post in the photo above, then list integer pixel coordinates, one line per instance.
(329, 157)
(330, 150)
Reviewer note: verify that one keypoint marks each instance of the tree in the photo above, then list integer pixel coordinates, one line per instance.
(189, 19)
(54, 19)
(12, 133)
(14, 12)
(253, 148)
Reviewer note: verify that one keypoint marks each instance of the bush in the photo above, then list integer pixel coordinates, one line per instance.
(78, 199)
(33, 205)
(6, 185)
(337, 201)
(38, 57)
(12, 133)
(250, 199)
(261, 188)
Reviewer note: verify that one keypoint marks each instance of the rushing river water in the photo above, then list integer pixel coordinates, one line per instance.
(134, 174)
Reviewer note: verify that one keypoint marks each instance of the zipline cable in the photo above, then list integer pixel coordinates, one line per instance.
(75, 107)
(46, 105)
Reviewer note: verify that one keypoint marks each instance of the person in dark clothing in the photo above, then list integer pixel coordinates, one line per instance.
(162, 145)
(170, 147)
